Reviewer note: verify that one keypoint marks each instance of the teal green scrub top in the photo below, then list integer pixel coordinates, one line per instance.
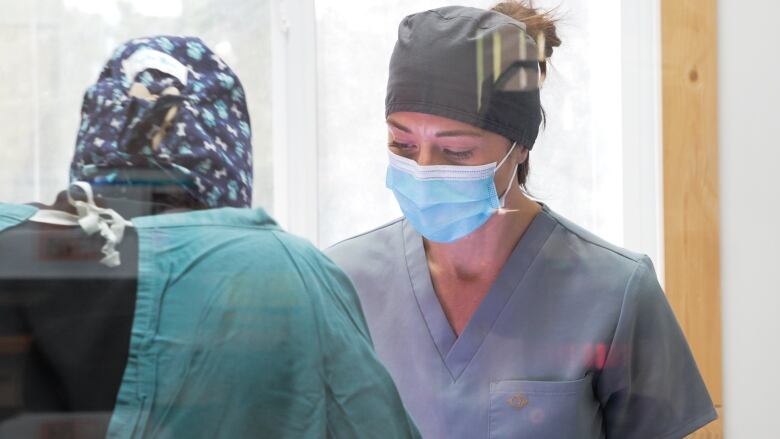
(14, 214)
(242, 330)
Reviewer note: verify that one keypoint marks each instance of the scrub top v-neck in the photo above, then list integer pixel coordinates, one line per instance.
(575, 339)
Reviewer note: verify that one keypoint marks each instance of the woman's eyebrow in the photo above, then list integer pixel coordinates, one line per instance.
(458, 133)
(451, 133)
(398, 125)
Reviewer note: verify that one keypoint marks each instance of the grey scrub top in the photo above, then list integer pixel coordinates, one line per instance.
(574, 340)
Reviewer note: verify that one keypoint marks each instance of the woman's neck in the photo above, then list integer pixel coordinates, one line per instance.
(483, 253)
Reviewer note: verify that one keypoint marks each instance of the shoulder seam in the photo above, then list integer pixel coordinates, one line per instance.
(590, 241)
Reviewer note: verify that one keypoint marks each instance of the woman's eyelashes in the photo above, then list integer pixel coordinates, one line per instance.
(398, 145)
(458, 155)
(450, 153)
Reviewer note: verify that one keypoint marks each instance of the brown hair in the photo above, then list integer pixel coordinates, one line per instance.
(539, 24)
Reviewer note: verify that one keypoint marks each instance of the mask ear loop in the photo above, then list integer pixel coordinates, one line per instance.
(509, 188)
(506, 157)
(514, 175)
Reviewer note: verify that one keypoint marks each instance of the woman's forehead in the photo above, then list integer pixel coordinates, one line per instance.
(433, 126)
(412, 122)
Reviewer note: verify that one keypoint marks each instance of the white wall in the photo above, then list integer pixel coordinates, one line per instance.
(749, 68)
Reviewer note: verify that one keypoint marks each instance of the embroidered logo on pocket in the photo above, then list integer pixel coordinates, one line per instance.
(518, 401)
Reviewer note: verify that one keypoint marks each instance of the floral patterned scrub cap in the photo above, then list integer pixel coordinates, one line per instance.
(168, 103)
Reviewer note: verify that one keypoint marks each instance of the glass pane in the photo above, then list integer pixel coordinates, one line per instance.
(66, 320)
(54, 49)
(576, 165)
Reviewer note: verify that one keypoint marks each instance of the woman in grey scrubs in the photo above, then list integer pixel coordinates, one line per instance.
(497, 317)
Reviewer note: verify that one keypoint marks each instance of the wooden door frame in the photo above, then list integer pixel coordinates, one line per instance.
(690, 183)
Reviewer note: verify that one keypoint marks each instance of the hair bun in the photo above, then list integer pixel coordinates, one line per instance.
(536, 22)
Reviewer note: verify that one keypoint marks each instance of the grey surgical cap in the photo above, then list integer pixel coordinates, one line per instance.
(475, 66)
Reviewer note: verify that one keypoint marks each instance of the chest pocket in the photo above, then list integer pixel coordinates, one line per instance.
(543, 409)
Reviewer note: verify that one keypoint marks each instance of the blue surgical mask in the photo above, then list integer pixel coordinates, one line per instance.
(446, 203)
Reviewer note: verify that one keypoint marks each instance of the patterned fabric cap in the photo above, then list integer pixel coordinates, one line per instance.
(168, 103)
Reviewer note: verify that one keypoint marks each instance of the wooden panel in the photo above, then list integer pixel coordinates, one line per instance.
(691, 202)
(713, 430)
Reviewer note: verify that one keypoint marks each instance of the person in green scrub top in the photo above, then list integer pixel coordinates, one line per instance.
(151, 293)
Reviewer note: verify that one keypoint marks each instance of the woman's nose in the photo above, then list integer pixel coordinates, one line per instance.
(428, 156)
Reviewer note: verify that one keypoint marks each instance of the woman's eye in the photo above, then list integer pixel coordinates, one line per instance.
(459, 154)
(399, 145)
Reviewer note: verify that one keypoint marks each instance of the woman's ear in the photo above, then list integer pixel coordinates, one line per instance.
(523, 155)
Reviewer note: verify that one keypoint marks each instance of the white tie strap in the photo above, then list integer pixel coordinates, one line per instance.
(92, 219)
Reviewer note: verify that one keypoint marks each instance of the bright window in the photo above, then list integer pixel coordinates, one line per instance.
(54, 49)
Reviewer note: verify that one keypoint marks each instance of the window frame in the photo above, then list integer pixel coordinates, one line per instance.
(294, 120)
(642, 151)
